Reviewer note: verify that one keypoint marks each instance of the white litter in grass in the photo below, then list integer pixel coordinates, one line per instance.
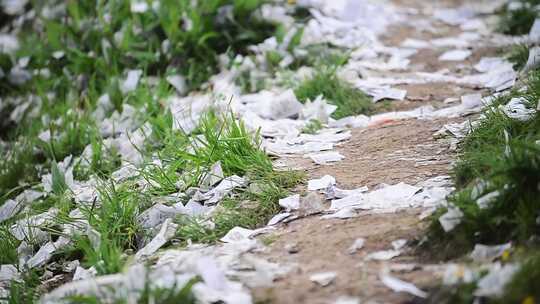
(31, 226)
(485, 201)
(166, 232)
(44, 254)
(237, 234)
(178, 82)
(323, 278)
(283, 105)
(517, 109)
(131, 81)
(324, 158)
(227, 185)
(533, 62)
(318, 109)
(321, 183)
(458, 130)
(492, 285)
(214, 176)
(451, 218)
(356, 245)
(455, 273)
(9, 209)
(398, 285)
(455, 55)
(383, 255)
(158, 213)
(13, 7)
(483, 253)
(83, 274)
(8, 43)
(8, 273)
(534, 33)
(138, 6)
(291, 202)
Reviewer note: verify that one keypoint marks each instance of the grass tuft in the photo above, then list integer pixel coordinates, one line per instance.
(325, 82)
(519, 21)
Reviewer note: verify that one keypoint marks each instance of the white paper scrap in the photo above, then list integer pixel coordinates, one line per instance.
(323, 278)
(398, 285)
(321, 183)
(455, 55)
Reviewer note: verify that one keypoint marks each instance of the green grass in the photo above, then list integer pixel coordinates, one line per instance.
(325, 82)
(523, 285)
(248, 209)
(115, 219)
(520, 21)
(518, 55)
(508, 165)
(8, 246)
(26, 290)
(227, 141)
(322, 55)
(312, 127)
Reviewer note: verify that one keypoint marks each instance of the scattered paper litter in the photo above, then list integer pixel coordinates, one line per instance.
(311, 204)
(167, 231)
(321, 183)
(276, 219)
(533, 62)
(291, 202)
(178, 82)
(387, 198)
(415, 44)
(451, 218)
(8, 273)
(383, 255)
(324, 158)
(398, 285)
(455, 55)
(131, 81)
(356, 245)
(343, 213)
(398, 244)
(283, 105)
(534, 33)
(492, 285)
(455, 273)
(489, 253)
(333, 192)
(347, 300)
(517, 109)
(485, 201)
(237, 234)
(323, 278)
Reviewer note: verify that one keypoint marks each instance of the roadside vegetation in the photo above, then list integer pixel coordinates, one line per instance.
(517, 17)
(498, 185)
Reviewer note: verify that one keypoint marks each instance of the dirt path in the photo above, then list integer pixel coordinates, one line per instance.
(397, 151)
